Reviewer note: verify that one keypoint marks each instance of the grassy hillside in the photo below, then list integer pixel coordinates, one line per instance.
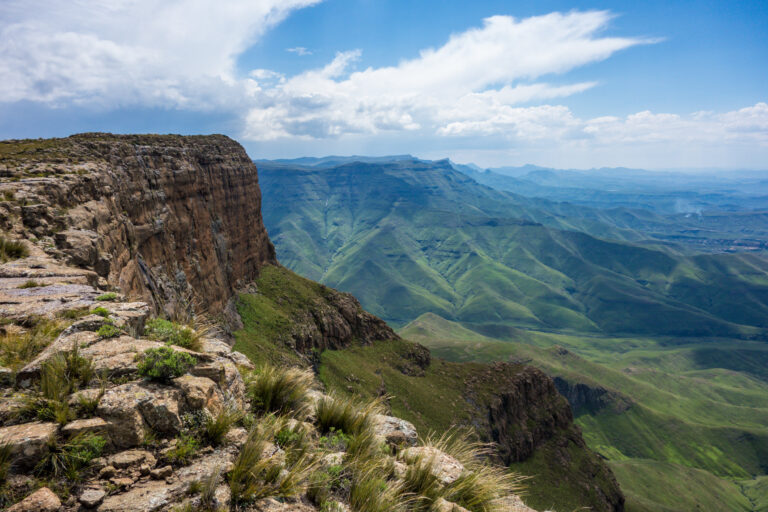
(668, 416)
(435, 394)
(412, 237)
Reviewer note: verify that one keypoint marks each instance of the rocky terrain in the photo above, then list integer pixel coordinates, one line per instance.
(122, 259)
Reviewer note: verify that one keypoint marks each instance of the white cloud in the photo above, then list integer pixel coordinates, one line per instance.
(470, 79)
(174, 53)
(299, 50)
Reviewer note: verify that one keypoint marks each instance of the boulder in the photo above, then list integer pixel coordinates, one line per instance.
(132, 458)
(199, 393)
(395, 431)
(443, 505)
(91, 498)
(6, 377)
(446, 468)
(28, 441)
(42, 500)
(272, 505)
(512, 503)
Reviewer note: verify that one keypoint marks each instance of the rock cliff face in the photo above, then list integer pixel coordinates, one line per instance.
(168, 219)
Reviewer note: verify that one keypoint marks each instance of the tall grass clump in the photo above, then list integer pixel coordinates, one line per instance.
(19, 346)
(346, 414)
(70, 458)
(259, 471)
(217, 426)
(280, 390)
(369, 492)
(12, 250)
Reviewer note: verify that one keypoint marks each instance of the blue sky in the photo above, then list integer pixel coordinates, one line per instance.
(642, 84)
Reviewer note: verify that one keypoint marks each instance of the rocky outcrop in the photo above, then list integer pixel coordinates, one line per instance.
(587, 399)
(168, 219)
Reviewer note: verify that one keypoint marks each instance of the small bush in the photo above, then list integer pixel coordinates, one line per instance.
(164, 363)
(74, 314)
(159, 329)
(185, 449)
(101, 311)
(12, 250)
(279, 390)
(8, 195)
(31, 283)
(109, 331)
(107, 297)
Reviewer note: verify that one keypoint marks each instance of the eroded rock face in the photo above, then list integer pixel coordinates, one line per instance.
(160, 217)
(396, 431)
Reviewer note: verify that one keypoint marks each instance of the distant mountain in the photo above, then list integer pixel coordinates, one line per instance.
(409, 237)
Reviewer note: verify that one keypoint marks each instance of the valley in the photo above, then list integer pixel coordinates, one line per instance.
(660, 348)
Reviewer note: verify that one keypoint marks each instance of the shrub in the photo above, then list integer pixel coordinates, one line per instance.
(109, 331)
(74, 314)
(107, 297)
(164, 363)
(185, 449)
(101, 311)
(30, 283)
(280, 390)
(159, 329)
(12, 250)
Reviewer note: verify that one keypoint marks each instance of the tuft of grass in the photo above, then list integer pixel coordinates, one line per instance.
(280, 390)
(107, 297)
(163, 364)
(6, 458)
(12, 250)
(346, 414)
(70, 458)
(217, 426)
(30, 283)
(9, 195)
(172, 333)
(18, 347)
(255, 476)
(186, 448)
(369, 492)
(74, 314)
(65, 373)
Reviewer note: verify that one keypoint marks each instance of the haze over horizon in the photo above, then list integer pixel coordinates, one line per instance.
(560, 84)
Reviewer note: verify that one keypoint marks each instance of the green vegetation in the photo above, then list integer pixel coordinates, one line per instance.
(12, 250)
(18, 345)
(173, 333)
(109, 331)
(164, 363)
(218, 425)
(109, 296)
(185, 448)
(279, 390)
(31, 283)
(101, 311)
(70, 458)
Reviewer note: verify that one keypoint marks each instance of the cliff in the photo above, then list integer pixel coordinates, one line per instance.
(174, 221)
(172, 227)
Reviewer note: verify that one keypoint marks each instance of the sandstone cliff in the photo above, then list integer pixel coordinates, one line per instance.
(168, 219)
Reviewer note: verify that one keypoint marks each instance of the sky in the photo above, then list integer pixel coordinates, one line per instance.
(652, 84)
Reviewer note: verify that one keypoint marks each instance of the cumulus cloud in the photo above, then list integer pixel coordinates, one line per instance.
(473, 75)
(174, 53)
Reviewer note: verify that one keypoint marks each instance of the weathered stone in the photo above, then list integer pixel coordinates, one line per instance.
(161, 473)
(107, 472)
(122, 482)
(91, 498)
(200, 392)
(512, 503)
(446, 468)
(236, 437)
(395, 431)
(94, 425)
(153, 495)
(443, 505)
(6, 377)
(79, 245)
(332, 459)
(28, 441)
(42, 500)
(131, 458)
(272, 505)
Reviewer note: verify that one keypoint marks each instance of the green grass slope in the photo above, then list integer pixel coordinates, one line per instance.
(665, 415)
